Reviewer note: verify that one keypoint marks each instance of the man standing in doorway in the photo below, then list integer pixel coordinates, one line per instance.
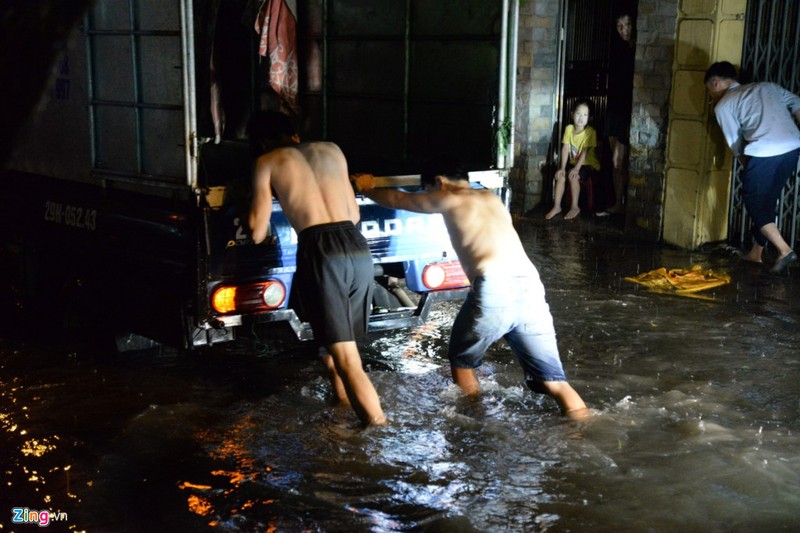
(758, 125)
(620, 104)
(332, 287)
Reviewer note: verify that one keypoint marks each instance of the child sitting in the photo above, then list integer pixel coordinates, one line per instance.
(578, 157)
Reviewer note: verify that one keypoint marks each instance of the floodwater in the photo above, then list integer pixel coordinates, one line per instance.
(696, 400)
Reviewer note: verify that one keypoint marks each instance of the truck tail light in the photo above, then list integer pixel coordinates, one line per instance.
(250, 298)
(444, 275)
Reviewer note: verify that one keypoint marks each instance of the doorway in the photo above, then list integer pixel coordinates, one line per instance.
(588, 33)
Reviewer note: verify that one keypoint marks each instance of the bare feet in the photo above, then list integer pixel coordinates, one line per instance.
(553, 212)
(378, 421)
(572, 213)
(613, 210)
(753, 258)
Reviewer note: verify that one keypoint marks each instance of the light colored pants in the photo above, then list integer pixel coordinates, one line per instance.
(513, 308)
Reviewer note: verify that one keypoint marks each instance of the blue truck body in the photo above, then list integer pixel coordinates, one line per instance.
(146, 267)
(402, 245)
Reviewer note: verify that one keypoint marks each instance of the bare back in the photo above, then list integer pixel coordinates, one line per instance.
(311, 183)
(483, 234)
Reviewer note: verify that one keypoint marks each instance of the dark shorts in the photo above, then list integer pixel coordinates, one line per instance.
(763, 180)
(513, 308)
(332, 287)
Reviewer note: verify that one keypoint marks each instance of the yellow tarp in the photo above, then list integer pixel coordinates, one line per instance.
(681, 281)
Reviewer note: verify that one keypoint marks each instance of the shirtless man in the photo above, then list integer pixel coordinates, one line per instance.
(507, 297)
(332, 286)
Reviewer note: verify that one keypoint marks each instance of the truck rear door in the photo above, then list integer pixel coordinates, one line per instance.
(394, 83)
(141, 93)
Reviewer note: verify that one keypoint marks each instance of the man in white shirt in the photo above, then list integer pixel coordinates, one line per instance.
(758, 121)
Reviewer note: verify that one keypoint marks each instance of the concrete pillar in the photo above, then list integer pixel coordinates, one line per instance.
(698, 172)
(652, 82)
(536, 78)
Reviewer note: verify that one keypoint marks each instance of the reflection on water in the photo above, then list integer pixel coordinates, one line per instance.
(696, 424)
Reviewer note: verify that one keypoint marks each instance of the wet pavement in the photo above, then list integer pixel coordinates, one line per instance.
(697, 404)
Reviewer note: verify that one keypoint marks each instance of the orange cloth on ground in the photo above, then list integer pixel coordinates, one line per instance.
(681, 281)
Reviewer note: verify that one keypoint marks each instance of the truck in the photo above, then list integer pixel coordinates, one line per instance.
(127, 208)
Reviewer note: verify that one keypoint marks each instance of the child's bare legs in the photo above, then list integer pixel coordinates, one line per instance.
(575, 190)
(557, 195)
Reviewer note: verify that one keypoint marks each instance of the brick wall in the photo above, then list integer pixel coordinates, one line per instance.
(652, 82)
(535, 107)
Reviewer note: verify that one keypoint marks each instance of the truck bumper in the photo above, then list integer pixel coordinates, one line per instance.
(223, 328)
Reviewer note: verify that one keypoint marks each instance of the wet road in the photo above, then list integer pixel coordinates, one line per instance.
(697, 416)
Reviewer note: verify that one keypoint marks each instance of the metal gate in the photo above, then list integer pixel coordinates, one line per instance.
(588, 28)
(771, 49)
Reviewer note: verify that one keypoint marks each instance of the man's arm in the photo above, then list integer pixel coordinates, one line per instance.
(261, 207)
(792, 102)
(433, 202)
(730, 129)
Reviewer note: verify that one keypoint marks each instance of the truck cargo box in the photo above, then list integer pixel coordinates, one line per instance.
(128, 210)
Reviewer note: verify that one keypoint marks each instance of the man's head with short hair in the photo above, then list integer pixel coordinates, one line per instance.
(625, 26)
(719, 77)
(269, 130)
(722, 69)
(446, 165)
